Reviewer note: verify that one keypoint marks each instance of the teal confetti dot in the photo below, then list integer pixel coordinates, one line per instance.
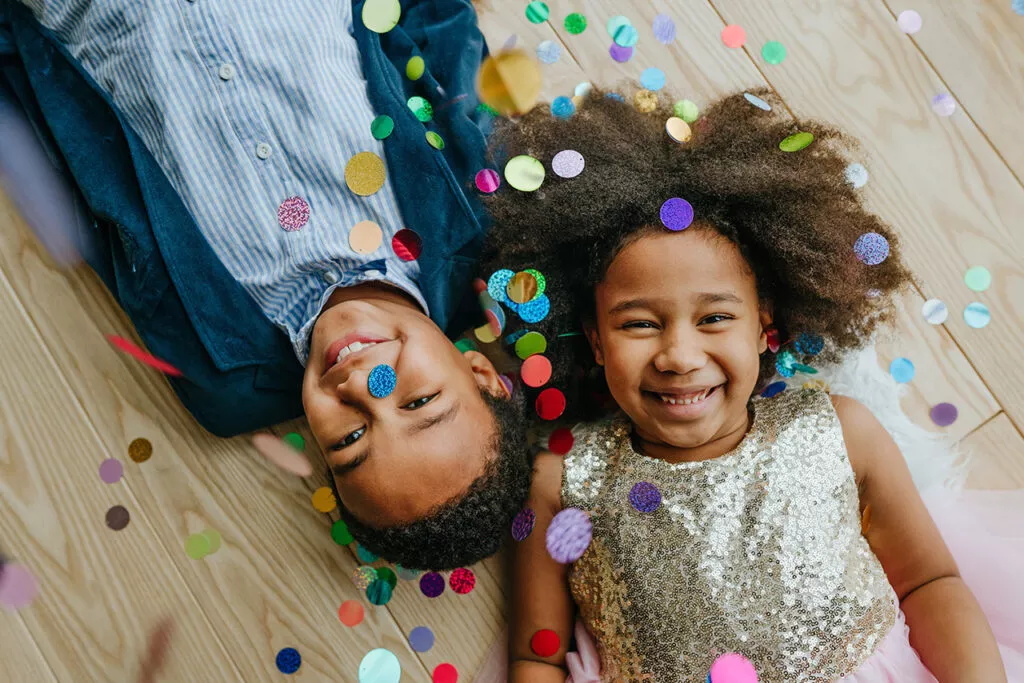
(773, 52)
(809, 344)
(784, 363)
(420, 108)
(381, 381)
(380, 666)
(653, 78)
(537, 12)
(902, 370)
(497, 284)
(978, 279)
(379, 592)
(615, 23)
(382, 126)
(626, 36)
(562, 107)
(464, 345)
(365, 555)
(976, 315)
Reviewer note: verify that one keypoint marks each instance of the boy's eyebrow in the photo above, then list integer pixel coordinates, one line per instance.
(344, 468)
(427, 423)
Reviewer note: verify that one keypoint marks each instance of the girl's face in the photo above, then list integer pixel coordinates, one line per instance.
(679, 330)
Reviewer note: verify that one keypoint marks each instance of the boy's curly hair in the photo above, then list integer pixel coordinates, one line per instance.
(793, 215)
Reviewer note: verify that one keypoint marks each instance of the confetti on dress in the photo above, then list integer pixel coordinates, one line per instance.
(365, 237)
(732, 668)
(382, 126)
(569, 535)
(138, 354)
(293, 213)
(645, 497)
(420, 108)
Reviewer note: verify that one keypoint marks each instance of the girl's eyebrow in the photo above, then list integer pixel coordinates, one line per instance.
(716, 298)
(629, 305)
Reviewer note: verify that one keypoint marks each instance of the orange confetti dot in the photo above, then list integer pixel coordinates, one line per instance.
(734, 36)
(351, 613)
(323, 499)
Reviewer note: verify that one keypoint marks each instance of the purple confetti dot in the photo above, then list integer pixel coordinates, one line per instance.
(664, 29)
(293, 213)
(421, 639)
(944, 414)
(620, 54)
(568, 535)
(523, 523)
(676, 214)
(645, 497)
(871, 248)
(943, 104)
(432, 584)
(568, 163)
(111, 471)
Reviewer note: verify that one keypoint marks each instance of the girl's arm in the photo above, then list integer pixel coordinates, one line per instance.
(947, 627)
(540, 586)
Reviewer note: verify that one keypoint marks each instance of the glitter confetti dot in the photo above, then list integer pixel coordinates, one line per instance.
(293, 213)
(536, 371)
(445, 673)
(531, 343)
(626, 36)
(809, 344)
(323, 499)
(365, 555)
(432, 584)
(522, 524)
(140, 450)
(487, 180)
(678, 129)
(524, 173)
(435, 140)
(652, 78)
(568, 163)
(856, 175)
(871, 248)
(382, 126)
(414, 68)
(111, 471)
(935, 311)
(902, 370)
(773, 389)
(288, 660)
(362, 577)
(645, 101)
(734, 36)
(522, 287)
(773, 52)
(407, 574)
(575, 23)
(550, 404)
(497, 284)
(943, 104)
(197, 546)
(365, 237)
(645, 497)
(757, 101)
(549, 52)
(379, 592)
(909, 21)
(944, 414)
(407, 245)
(796, 142)
(977, 315)
(421, 639)
(561, 440)
(545, 643)
(18, 587)
(380, 16)
(364, 173)
(537, 12)
(687, 110)
(676, 214)
(420, 108)
(340, 533)
(732, 668)
(664, 29)
(562, 107)
(351, 613)
(117, 517)
(977, 278)
(462, 581)
(381, 381)
(380, 666)
(568, 535)
(620, 54)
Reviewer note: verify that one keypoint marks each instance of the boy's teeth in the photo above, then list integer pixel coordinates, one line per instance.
(696, 398)
(352, 348)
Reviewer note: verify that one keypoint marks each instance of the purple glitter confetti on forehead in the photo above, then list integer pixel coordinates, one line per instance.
(569, 535)
(523, 523)
(293, 213)
(432, 584)
(871, 248)
(645, 497)
(676, 214)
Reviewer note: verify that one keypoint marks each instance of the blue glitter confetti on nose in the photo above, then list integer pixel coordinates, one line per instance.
(289, 660)
(381, 381)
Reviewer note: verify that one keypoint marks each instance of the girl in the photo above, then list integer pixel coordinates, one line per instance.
(785, 529)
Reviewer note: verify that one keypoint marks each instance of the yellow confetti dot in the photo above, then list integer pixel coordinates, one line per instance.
(816, 384)
(645, 101)
(364, 173)
(414, 68)
(522, 287)
(485, 334)
(213, 537)
(140, 450)
(323, 499)
(380, 16)
(509, 82)
(678, 129)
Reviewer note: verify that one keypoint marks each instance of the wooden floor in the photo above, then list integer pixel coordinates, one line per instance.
(951, 187)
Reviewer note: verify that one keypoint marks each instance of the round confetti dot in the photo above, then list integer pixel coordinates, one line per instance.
(420, 108)
(536, 310)
(678, 129)
(509, 82)
(871, 248)
(1017, 6)
(575, 23)
(295, 440)
(414, 68)
(977, 278)
(362, 577)
(118, 517)
(364, 173)
(487, 180)
(288, 660)
(732, 668)
(856, 175)
(976, 315)
(140, 450)
(407, 574)
(323, 499)
(421, 639)
(464, 345)
(550, 404)
(943, 104)
(462, 581)
(387, 574)
(568, 163)
(676, 214)
(734, 36)
(645, 101)
(757, 101)
(366, 556)
(796, 142)
(583, 89)
(902, 370)
(524, 173)
(407, 245)
(542, 283)
(549, 52)
(380, 666)
(687, 110)
(365, 237)
(568, 535)
(615, 23)
(497, 284)
(809, 344)
(561, 440)
(545, 643)
(485, 333)
(380, 16)
(773, 389)
(382, 126)
(773, 52)
(944, 414)
(379, 592)
(537, 12)
(935, 311)
(351, 613)
(18, 587)
(531, 343)
(664, 29)
(340, 533)
(495, 320)
(909, 21)
(645, 497)
(111, 471)
(626, 36)
(562, 107)
(536, 371)
(197, 546)
(652, 78)
(213, 538)
(445, 673)
(293, 213)
(620, 54)
(435, 140)
(432, 584)
(522, 524)
(381, 381)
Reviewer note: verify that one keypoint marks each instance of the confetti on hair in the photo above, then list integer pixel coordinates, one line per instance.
(773, 389)
(323, 499)
(569, 535)
(381, 381)
(645, 101)
(676, 214)
(562, 107)
(809, 344)
(535, 371)
(784, 364)
(522, 524)
(561, 441)
(140, 355)
(550, 404)
(796, 142)
(871, 248)
(568, 163)
(462, 581)
(366, 555)
(536, 310)
(757, 102)
(487, 180)
(524, 173)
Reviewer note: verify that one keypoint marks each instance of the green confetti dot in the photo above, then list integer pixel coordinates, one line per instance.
(542, 282)
(421, 108)
(435, 140)
(796, 142)
(340, 533)
(414, 68)
(483, 107)
(978, 278)
(575, 23)
(687, 110)
(464, 345)
(773, 52)
(382, 126)
(197, 546)
(386, 574)
(295, 440)
(213, 537)
(530, 344)
(537, 12)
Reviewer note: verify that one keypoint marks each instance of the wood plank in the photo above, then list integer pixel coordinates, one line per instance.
(18, 651)
(997, 449)
(977, 48)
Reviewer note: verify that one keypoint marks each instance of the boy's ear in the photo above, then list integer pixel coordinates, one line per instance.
(485, 374)
(595, 343)
(765, 317)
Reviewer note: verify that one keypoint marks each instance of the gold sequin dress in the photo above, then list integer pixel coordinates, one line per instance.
(758, 551)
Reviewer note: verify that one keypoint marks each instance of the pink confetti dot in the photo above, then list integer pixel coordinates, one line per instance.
(293, 213)
(734, 36)
(111, 471)
(18, 588)
(462, 581)
(487, 180)
(733, 668)
(909, 21)
(407, 245)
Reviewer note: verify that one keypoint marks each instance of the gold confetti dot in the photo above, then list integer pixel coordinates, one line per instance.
(509, 82)
(364, 173)
(140, 450)
(645, 101)
(522, 287)
(678, 129)
(323, 499)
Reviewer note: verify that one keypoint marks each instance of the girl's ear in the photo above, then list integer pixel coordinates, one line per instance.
(595, 343)
(765, 317)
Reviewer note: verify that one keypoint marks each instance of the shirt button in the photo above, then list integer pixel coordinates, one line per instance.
(263, 150)
(330, 277)
(226, 71)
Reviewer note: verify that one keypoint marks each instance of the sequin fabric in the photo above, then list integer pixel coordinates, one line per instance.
(758, 552)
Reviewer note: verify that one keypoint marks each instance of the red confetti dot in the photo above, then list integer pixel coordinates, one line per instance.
(351, 613)
(550, 404)
(407, 245)
(462, 581)
(561, 440)
(545, 643)
(536, 371)
(445, 673)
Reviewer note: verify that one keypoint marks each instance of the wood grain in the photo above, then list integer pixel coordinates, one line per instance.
(997, 449)
(18, 651)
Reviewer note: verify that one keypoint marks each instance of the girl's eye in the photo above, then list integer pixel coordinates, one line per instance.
(349, 439)
(716, 318)
(639, 325)
(419, 403)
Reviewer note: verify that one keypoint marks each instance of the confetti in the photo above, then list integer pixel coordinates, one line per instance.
(364, 173)
(18, 587)
(282, 455)
(615, 23)
(509, 82)
(562, 107)
(485, 334)
(626, 36)
(550, 404)
(464, 345)
(197, 546)
(111, 471)
(362, 577)
(732, 668)
(536, 371)
(944, 414)
(414, 68)
(407, 574)
(421, 639)
(909, 21)
(549, 52)
(796, 142)
(138, 354)
(495, 320)
(856, 175)
(784, 363)
(117, 517)
(382, 126)
(645, 101)
(621, 55)
(381, 381)
(420, 108)
(902, 370)
(445, 673)
(531, 343)
(351, 613)
(407, 245)
(497, 284)
(583, 89)
(809, 344)
(524, 173)
(379, 592)
(366, 556)
(976, 315)
(871, 248)
(568, 535)
(652, 78)
(323, 499)
(676, 214)
(365, 237)
(935, 311)
(943, 104)
(678, 129)
(757, 102)
(522, 287)
(568, 163)
(487, 180)
(575, 23)
(537, 12)
(545, 643)
(288, 659)
(380, 666)
(435, 140)
(213, 537)
(536, 310)
(773, 389)
(561, 440)
(386, 574)
(977, 278)
(432, 584)
(645, 497)
(664, 29)
(140, 450)
(687, 110)
(734, 36)
(380, 16)
(522, 524)
(295, 440)
(462, 581)
(773, 52)
(1017, 6)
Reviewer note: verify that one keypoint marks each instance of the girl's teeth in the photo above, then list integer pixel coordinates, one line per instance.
(686, 401)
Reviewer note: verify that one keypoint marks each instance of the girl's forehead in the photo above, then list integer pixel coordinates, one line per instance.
(694, 258)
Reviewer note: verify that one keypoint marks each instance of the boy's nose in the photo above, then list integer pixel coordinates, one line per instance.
(352, 388)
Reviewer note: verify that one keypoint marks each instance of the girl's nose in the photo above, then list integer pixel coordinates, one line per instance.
(682, 354)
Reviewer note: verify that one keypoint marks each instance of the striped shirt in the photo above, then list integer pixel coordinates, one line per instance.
(252, 108)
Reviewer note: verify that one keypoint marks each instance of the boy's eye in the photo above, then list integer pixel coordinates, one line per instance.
(716, 318)
(419, 403)
(349, 439)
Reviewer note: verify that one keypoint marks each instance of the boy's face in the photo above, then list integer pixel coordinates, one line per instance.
(395, 458)
(678, 320)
